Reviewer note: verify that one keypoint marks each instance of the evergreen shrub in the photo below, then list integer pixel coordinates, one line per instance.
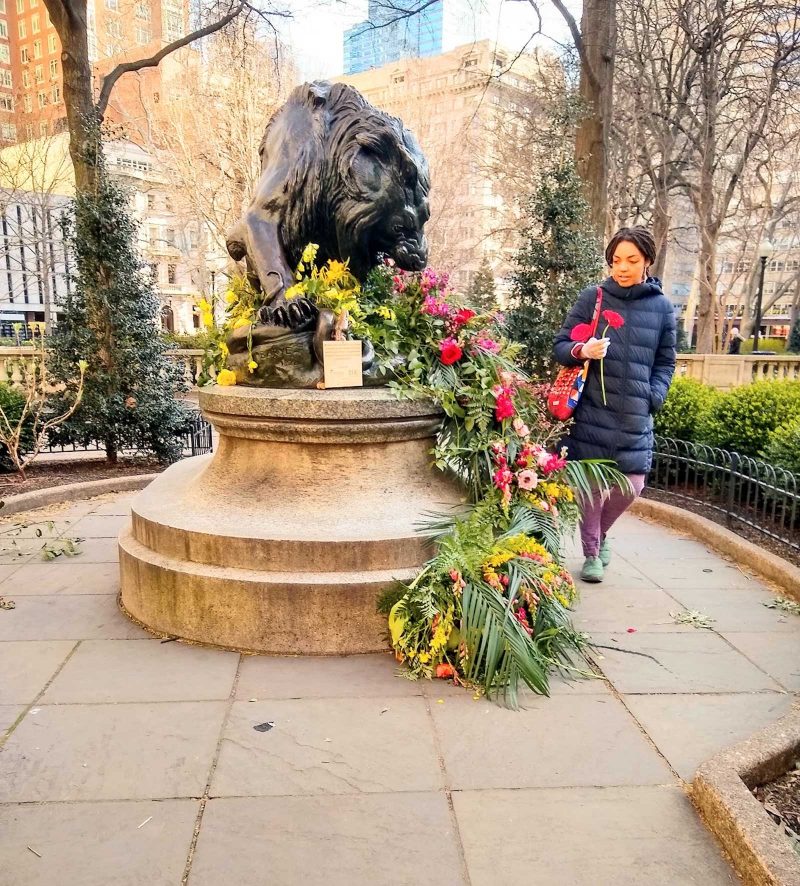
(687, 401)
(783, 448)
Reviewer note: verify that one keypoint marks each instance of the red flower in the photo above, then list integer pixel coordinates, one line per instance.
(504, 407)
(614, 320)
(581, 332)
(462, 317)
(445, 670)
(450, 351)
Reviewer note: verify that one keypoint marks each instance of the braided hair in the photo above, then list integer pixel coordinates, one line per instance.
(641, 238)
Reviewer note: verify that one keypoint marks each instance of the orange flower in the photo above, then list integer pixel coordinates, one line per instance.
(444, 671)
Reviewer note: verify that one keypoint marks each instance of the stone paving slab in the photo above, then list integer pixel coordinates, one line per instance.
(67, 617)
(25, 668)
(72, 576)
(96, 844)
(327, 746)
(696, 661)
(776, 653)
(8, 715)
(690, 729)
(674, 573)
(740, 609)
(100, 526)
(610, 609)
(621, 575)
(642, 836)
(142, 670)
(485, 746)
(111, 752)
(398, 839)
(348, 676)
(99, 550)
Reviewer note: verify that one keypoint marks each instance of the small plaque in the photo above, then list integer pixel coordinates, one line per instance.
(342, 364)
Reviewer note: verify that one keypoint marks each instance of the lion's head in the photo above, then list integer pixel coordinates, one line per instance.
(360, 183)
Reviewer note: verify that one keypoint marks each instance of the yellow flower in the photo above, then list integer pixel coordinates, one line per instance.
(386, 313)
(223, 349)
(226, 377)
(207, 318)
(242, 321)
(294, 291)
(231, 297)
(310, 253)
(252, 365)
(424, 657)
(335, 271)
(204, 305)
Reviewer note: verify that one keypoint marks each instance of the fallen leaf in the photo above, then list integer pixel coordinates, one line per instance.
(264, 727)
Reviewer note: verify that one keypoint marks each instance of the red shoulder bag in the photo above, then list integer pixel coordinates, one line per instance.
(565, 392)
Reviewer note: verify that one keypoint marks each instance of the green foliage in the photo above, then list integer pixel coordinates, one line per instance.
(558, 257)
(687, 401)
(764, 344)
(793, 346)
(783, 446)
(12, 403)
(682, 343)
(742, 419)
(195, 341)
(482, 292)
(110, 320)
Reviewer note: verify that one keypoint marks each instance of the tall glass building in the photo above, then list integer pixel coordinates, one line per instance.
(437, 28)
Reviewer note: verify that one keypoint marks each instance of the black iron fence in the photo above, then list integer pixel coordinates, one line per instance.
(744, 489)
(196, 439)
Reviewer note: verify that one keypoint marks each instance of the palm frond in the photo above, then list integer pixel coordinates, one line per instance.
(539, 524)
(591, 475)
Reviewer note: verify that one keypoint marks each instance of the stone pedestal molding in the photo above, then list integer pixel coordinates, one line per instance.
(281, 541)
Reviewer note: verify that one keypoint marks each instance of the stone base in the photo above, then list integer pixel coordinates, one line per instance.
(282, 540)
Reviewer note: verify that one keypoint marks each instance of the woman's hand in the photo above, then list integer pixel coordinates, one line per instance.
(595, 349)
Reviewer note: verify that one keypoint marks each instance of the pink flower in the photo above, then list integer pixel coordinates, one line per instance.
(450, 351)
(435, 307)
(486, 344)
(542, 458)
(554, 463)
(520, 427)
(527, 480)
(503, 407)
(614, 320)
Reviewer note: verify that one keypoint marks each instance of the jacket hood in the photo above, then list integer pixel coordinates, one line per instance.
(651, 286)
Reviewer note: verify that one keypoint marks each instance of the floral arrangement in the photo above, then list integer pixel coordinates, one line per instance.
(491, 608)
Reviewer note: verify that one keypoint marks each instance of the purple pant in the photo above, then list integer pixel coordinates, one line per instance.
(600, 516)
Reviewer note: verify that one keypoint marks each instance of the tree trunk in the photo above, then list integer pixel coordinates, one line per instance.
(69, 18)
(661, 223)
(111, 451)
(599, 37)
(706, 302)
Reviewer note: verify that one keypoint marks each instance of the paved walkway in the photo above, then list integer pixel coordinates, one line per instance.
(131, 761)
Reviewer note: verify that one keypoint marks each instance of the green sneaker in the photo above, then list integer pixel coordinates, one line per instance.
(592, 570)
(605, 552)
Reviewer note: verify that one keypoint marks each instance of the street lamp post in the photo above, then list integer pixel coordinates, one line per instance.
(764, 252)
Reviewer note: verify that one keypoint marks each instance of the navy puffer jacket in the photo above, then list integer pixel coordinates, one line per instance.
(638, 371)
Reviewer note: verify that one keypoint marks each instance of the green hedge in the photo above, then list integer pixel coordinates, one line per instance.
(764, 344)
(687, 400)
(783, 448)
(742, 419)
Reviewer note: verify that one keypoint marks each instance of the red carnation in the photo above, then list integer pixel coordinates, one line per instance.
(581, 332)
(504, 407)
(614, 320)
(462, 317)
(450, 351)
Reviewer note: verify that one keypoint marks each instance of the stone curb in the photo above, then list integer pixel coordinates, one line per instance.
(721, 791)
(766, 564)
(40, 498)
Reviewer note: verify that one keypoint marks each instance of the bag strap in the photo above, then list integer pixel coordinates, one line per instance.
(597, 306)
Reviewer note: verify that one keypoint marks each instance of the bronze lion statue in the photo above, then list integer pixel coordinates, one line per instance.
(338, 172)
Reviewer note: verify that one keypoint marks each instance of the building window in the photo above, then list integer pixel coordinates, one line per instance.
(471, 63)
(5, 78)
(169, 236)
(114, 30)
(8, 131)
(6, 102)
(399, 78)
(3, 30)
(112, 4)
(38, 74)
(143, 12)
(53, 69)
(27, 104)
(37, 48)
(173, 25)
(20, 5)
(22, 28)
(776, 265)
(43, 127)
(42, 99)
(29, 130)
(3, 6)
(56, 94)
(171, 269)
(143, 35)
(26, 79)
(35, 24)
(151, 201)
(51, 43)
(5, 54)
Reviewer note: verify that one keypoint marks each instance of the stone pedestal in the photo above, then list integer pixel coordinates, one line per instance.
(282, 540)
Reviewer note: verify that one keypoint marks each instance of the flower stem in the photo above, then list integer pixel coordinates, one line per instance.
(602, 375)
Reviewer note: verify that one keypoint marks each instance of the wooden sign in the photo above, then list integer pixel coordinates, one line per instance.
(342, 364)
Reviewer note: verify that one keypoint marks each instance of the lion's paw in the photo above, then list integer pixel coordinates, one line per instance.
(295, 315)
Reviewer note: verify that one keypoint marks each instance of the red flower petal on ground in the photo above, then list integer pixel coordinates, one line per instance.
(614, 320)
(445, 670)
(450, 351)
(581, 332)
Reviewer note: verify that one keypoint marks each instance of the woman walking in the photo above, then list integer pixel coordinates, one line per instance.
(636, 352)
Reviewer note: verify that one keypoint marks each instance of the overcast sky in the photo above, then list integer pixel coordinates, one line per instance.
(316, 29)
